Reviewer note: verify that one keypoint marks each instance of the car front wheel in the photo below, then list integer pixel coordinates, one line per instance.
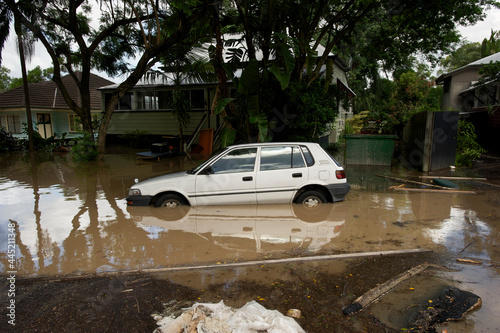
(170, 200)
(311, 199)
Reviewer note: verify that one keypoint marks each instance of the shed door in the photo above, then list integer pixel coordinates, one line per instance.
(44, 122)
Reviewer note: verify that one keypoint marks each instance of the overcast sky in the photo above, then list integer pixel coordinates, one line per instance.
(10, 57)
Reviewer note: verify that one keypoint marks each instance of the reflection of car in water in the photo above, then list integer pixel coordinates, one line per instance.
(286, 223)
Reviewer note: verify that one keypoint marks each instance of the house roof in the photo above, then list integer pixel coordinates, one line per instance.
(47, 95)
(476, 64)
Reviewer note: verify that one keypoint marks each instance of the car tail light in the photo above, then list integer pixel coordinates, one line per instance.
(340, 174)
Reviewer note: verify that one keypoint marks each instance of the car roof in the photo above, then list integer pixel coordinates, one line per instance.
(264, 144)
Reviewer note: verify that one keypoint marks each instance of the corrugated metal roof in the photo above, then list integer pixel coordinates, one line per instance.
(478, 63)
(47, 95)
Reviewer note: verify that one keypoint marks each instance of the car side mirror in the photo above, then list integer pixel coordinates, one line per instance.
(208, 170)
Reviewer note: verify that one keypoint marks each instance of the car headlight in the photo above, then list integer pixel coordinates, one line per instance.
(134, 191)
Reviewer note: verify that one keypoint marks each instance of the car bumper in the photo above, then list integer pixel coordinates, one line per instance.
(139, 200)
(339, 191)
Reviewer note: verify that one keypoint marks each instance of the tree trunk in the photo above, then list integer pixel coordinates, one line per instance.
(29, 119)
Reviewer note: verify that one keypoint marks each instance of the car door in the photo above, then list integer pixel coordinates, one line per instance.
(228, 180)
(282, 171)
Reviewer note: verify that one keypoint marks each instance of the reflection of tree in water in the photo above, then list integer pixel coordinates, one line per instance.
(25, 264)
(103, 244)
(40, 244)
(84, 247)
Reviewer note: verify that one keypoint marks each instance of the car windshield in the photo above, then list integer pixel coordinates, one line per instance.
(202, 166)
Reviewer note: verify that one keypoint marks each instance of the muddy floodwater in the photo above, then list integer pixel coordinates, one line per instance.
(72, 218)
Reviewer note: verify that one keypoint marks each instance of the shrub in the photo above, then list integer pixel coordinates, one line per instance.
(85, 148)
(314, 111)
(468, 149)
(137, 138)
(355, 124)
(7, 141)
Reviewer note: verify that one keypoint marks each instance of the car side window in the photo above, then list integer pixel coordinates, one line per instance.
(297, 159)
(308, 156)
(275, 158)
(239, 160)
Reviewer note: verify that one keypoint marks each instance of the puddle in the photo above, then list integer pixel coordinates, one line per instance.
(73, 218)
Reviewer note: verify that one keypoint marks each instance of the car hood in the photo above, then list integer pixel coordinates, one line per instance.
(168, 177)
(179, 181)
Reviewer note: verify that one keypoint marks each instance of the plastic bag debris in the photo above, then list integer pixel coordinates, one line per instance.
(219, 318)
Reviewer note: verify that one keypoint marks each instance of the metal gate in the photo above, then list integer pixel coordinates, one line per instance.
(431, 140)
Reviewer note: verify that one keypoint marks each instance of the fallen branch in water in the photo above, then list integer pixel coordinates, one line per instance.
(454, 178)
(429, 190)
(489, 184)
(468, 261)
(407, 181)
(466, 247)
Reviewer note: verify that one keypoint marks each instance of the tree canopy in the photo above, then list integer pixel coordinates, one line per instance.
(468, 52)
(296, 40)
(144, 29)
(34, 75)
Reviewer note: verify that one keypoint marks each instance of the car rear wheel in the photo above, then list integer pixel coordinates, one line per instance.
(170, 201)
(311, 199)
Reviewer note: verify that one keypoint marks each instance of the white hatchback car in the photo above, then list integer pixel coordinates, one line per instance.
(258, 173)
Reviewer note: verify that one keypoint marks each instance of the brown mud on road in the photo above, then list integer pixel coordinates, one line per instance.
(125, 302)
(84, 261)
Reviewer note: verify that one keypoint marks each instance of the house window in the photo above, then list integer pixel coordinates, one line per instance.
(125, 103)
(11, 123)
(160, 100)
(447, 85)
(146, 100)
(75, 125)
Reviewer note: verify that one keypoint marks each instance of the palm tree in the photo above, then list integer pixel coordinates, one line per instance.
(25, 51)
(492, 45)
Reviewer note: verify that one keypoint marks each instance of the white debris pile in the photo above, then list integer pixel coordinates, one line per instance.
(219, 318)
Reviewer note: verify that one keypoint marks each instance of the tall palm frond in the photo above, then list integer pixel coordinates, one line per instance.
(6, 18)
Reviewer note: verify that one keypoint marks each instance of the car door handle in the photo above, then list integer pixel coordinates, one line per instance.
(297, 175)
(247, 179)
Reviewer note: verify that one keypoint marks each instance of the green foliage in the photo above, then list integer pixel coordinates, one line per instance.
(137, 138)
(470, 52)
(409, 94)
(314, 108)
(228, 137)
(249, 121)
(221, 104)
(34, 75)
(8, 142)
(489, 73)
(39, 143)
(85, 148)
(355, 124)
(464, 55)
(5, 79)
(468, 149)
(492, 45)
